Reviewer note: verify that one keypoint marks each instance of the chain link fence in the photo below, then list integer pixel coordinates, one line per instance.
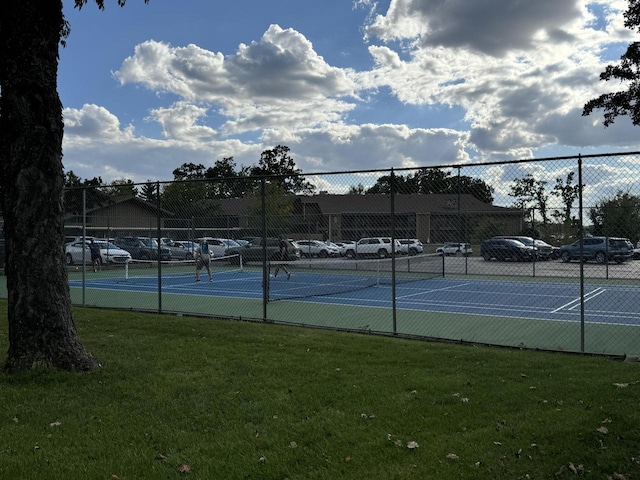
(534, 254)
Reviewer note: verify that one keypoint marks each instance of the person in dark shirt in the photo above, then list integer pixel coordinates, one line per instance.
(284, 257)
(96, 261)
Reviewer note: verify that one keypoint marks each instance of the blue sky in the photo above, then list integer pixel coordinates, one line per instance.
(345, 84)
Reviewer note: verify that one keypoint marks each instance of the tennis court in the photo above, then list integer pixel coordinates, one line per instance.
(557, 302)
(540, 312)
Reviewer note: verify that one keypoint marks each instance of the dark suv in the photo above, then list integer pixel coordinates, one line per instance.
(506, 249)
(598, 249)
(143, 248)
(543, 250)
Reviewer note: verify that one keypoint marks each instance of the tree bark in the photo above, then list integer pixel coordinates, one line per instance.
(42, 332)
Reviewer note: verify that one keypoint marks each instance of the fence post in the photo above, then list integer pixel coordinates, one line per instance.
(581, 237)
(84, 243)
(159, 234)
(393, 251)
(265, 262)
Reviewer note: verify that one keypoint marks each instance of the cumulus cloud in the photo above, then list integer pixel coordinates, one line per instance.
(492, 27)
(519, 71)
(277, 81)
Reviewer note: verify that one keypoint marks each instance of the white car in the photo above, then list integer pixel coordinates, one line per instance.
(316, 248)
(380, 247)
(109, 253)
(411, 246)
(463, 249)
(344, 246)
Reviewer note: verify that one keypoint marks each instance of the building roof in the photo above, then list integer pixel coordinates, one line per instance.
(340, 204)
(150, 207)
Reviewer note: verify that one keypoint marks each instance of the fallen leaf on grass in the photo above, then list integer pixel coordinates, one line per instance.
(577, 470)
(619, 476)
(621, 385)
(412, 445)
(452, 456)
(184, 468)
(55, 424)
(604, 430)
(293, 445)
(348, 458)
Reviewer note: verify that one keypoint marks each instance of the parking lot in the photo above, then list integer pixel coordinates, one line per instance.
(436, 265)
(629, 270)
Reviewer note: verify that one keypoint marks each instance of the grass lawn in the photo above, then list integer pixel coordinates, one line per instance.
(181, 397)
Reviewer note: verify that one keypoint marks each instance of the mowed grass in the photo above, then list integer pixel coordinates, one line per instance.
(181, 397)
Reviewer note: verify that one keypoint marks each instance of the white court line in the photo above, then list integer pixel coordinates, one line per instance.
(422, 292)
(590, 297)
(576, 301)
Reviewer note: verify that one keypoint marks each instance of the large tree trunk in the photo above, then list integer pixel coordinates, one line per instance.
(42, 332)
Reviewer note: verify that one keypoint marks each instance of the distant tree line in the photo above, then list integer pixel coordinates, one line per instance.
(429, 181)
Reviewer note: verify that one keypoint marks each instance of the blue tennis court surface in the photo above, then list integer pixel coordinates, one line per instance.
(607, 304)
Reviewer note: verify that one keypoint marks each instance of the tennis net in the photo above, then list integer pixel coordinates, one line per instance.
(320, 277)
(148, 270)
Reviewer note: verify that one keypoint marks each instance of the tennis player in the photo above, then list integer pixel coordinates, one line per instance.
(284, 256)
(203, 259)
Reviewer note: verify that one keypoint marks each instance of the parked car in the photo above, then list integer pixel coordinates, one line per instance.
(463, 249)
(410, 246)
(143, 248)
(345, 245)
(76, 238)
(187, 244)
(179, 251)
(598, 249)
(380, 247)
(316, 248)
(219, 247)
(254, 251)
(548, 251)
(543, 250)
(109, 253)
(506, 249)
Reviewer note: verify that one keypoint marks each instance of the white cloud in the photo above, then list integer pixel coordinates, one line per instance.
(519, 71)
(278, 82)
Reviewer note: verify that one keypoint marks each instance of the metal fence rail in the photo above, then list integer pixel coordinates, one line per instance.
(450, 287)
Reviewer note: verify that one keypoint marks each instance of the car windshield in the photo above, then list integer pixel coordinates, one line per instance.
(149, 242)
(107, 245)
(517, 243)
